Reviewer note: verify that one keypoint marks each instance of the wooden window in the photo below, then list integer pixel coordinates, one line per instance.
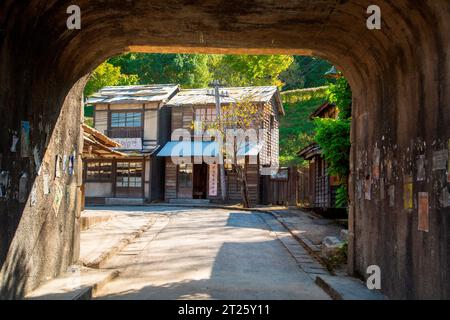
(126, 119)
(98, 171)
(205, 115)
(185, 175)
(129, 174)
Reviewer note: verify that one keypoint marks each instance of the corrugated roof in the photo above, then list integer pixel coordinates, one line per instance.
(231, 95)
(133, 94)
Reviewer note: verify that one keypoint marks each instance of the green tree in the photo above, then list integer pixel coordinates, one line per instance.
(251, 70)
(305, 72)
(241, 116)
(333, 136)
(188, 70)
(296, 127)
(340, 94)
(108, 75)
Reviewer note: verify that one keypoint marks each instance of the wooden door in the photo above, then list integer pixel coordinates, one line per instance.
(184, 181)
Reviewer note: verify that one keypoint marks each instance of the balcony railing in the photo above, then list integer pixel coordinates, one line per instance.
(125, 133)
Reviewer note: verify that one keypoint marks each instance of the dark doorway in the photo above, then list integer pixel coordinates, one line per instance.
(200, 179)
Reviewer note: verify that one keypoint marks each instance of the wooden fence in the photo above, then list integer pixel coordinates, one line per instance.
(281, 189)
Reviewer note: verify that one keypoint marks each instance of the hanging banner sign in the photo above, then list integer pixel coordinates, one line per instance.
(213, 174)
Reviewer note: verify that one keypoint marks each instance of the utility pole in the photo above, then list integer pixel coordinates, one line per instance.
(223, 188)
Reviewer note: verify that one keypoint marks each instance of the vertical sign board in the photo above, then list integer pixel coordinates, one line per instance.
(423, 212)
(408, 193)
(212, 190)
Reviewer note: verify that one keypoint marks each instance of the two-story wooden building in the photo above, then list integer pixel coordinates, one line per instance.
(137, 118)
(201, 180)
(318, 188)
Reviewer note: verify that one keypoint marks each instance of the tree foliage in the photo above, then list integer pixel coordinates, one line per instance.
(305, 72)
(340, 94)
(107, 74)
(296, 127)
(333, 136)
(241, 116)
(188, 70)
(198, 70)
(251, 70)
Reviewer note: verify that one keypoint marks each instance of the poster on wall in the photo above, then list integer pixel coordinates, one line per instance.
(423, 212)
(212, 190)
(408, 193)
(25, 139)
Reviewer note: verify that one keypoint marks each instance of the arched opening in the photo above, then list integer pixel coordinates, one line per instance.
(400, 81)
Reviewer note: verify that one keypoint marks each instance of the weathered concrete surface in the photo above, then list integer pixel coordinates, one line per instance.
(210, 254)
(101, 242)
(399, 75)
(347, 288)
(76, 284)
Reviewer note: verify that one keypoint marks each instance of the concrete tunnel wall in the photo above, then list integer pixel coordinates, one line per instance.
(399, 76)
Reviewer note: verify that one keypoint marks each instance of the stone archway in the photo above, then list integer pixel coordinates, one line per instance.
(400, 77)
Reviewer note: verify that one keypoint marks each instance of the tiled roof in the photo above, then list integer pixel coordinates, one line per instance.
(133, 94)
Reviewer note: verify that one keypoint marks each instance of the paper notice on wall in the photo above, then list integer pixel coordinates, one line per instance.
(25, 139)
(57, 200)
(391, 193)
(420, 164)
(37, 160)
(440, 160)
(444, 199)
(368, 189)
(213, 174)
(382, 189)
(376, 163)
(33, 196)
(408, 193)
(15, 139)
(448, 164)
(46, 184)
(64, 164)
(4, 184)
(23, 188)
(58, 162)
(423, 212)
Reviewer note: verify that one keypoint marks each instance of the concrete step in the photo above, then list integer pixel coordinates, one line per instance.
(90, 220)
(190, 201)
(102, 242)
(347, 288)
(79, 283)
(124, 201)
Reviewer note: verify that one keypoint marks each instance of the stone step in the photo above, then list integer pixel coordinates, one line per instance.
(124, 201)
(347, 288)
(78, 283)
(190, 201)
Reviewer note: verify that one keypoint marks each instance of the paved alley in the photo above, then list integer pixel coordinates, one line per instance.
(198, 253)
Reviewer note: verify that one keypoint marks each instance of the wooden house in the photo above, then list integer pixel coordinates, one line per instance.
(317, 187)
(135, 117)
(200, 181)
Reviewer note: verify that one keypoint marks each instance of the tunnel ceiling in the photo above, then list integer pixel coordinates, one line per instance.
(335, 30)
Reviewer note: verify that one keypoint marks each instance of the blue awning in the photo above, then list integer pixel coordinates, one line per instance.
(202, 148)
(189, 149)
